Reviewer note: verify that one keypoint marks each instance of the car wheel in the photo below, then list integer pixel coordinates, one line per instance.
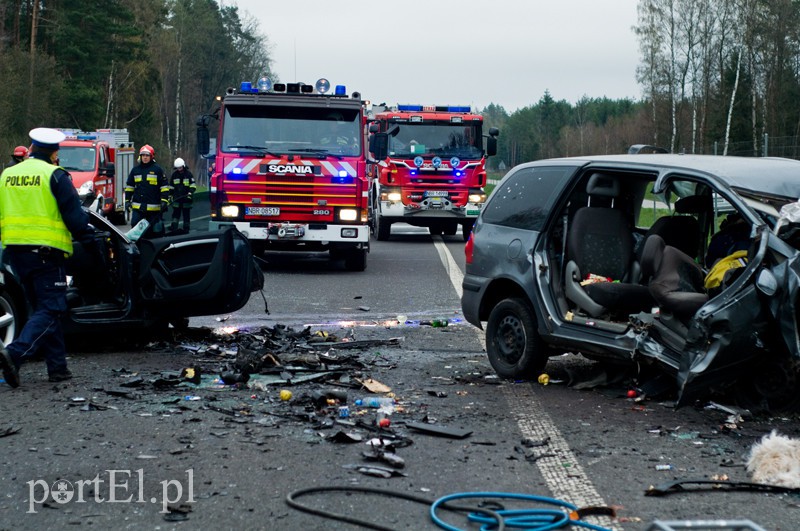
(513, 344)
(356, 260)
(383, 229)
(8, 318)
(450, 229)
(772, 385)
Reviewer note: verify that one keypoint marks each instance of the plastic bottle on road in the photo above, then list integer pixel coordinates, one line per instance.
(136, 232)
(439, 323)
(375, 401)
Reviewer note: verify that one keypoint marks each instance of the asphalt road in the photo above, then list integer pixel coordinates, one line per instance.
(231, 456)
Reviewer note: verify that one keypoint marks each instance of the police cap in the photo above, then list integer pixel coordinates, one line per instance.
(47, 138)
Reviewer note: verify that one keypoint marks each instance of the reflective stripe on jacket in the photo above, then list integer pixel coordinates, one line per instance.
(147, 187)
(29, 212)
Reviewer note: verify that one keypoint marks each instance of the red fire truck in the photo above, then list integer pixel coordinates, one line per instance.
(430, 169)
(99, 162)
(290, 168)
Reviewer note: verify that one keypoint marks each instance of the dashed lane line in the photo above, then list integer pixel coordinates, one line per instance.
(563, 475)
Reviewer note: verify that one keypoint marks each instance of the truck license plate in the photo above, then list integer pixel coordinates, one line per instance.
(262, 211)
(436, 193)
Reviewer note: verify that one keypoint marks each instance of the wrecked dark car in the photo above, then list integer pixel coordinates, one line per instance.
(115, 284)
(678, 265)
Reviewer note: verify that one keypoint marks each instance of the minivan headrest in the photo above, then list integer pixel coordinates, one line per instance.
(601, 185)
(693, 204)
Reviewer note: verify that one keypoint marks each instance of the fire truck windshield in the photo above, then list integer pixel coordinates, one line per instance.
(76, 158)
(281, 130)
(444, 139)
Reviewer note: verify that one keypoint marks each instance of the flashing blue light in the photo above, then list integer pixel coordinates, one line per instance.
(413, 172)
(410, 108)
(264, 84)
(455, 161)
(418, 161)
(342, 173)
(236, 174)
(246, 86)
(341, 90)
(86, 137)
(437, 161)
(458, 174)
(459, 109)
(342, 179)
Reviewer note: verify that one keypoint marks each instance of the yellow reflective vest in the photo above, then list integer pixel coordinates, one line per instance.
(29, 212)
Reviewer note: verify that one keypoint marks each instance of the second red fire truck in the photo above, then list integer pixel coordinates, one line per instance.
(290, 168)
(430, 169)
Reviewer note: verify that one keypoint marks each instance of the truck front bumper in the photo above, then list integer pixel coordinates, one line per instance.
(430, 209)
(298, 232)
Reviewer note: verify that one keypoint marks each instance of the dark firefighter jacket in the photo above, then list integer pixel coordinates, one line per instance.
(147, 188)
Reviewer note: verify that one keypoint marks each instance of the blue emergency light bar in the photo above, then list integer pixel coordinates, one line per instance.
(86, 137)
(436, 108)
(264, 85)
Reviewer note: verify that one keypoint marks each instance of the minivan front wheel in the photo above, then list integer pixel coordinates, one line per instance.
(513, 344)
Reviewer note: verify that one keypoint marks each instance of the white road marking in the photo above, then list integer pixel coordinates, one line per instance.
(563, 475)
(450, 265)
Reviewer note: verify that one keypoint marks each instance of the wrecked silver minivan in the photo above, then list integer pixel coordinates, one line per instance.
(684, 264)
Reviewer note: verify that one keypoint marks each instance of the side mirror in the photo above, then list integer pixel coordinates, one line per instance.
(203, 139)
(491, 142)
(374, 128)
(379, 145)
(491, 146)
(108, 169)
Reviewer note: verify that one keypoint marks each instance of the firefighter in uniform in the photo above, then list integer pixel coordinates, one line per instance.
(40, 214)
(147, 191)
(18, 155)
(183, 188)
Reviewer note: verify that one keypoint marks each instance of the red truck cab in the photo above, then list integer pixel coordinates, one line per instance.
(99, 162)
(429, 168)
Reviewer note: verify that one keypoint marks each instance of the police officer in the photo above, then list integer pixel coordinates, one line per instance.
(183, 188)
(40, 214)
(18, 155)
(147, 191)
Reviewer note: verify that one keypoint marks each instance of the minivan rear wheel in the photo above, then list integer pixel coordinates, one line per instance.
(513, 344)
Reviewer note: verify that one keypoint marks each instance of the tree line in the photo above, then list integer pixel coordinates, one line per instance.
(149, 66)
(717, 76)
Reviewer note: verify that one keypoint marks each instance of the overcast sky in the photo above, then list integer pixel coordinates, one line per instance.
(475, 52)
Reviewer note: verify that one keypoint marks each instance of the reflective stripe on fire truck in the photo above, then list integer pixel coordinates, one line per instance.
(333, 170)
(329, 167)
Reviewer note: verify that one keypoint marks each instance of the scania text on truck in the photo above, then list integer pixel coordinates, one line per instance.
(430, 168)
(99, 162)
(290, 168)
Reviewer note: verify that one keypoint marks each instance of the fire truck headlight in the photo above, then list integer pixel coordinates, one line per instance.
(394, 196)
(348, 214)
(477, 198)
(349, 233)
(230, 211)
(86, 188)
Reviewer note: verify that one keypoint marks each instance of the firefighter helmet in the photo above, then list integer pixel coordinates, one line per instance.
(179, 163)
(20, 151)
(147, 148)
